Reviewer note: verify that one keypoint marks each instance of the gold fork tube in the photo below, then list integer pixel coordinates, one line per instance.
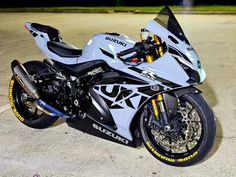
(154, 105)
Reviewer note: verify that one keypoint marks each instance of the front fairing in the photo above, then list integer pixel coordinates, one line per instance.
(178, 47)
(164, 71)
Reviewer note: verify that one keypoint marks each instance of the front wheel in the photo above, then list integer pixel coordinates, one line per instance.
(192, 135)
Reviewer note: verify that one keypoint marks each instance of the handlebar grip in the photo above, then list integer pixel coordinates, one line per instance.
(125, 52)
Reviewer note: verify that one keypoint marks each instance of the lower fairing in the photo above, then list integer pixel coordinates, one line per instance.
(92, 127)
(122, 101)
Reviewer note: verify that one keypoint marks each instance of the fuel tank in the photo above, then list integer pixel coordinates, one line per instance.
(105, 46)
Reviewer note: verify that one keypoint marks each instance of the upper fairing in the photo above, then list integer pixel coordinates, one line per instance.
(183, 47)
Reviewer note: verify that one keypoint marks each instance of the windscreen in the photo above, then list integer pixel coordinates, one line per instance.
(167, 19)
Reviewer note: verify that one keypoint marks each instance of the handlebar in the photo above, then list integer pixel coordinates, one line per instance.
(126, 52)
(139, 48)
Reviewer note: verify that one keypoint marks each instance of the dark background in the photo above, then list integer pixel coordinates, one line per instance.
(50, 3)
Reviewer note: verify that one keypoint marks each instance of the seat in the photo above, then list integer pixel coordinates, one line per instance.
(63, 50)
(45, 28)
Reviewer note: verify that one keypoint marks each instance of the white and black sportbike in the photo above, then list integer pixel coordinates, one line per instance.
(122, 90)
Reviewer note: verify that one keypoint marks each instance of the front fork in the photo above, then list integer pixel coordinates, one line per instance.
(159, 109)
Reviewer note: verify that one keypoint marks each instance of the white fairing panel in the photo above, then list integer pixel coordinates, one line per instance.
(112, 44)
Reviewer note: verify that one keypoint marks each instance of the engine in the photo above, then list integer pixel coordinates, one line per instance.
(67, 95)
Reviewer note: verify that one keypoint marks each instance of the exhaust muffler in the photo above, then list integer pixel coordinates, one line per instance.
(23, 78)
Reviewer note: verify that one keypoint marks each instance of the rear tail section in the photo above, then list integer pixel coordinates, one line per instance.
(47, 33)
(48, 39)
(44, 34)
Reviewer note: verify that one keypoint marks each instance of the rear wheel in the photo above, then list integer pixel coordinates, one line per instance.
(23, 105)
(192, 135)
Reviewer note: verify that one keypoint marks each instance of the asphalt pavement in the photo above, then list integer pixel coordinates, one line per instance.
(60, 151)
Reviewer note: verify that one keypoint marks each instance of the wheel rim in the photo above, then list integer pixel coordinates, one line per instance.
(182, 142)
(27, 105)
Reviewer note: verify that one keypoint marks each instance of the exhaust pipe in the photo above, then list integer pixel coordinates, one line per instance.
(48, 109)
(23, 77)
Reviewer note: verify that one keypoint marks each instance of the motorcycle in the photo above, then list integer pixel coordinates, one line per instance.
(130, 92)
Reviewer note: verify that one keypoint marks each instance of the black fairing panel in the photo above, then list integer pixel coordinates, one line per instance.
(120, 78)
(44, 28)
(194, 77)
(53, 33)
(81, 68)
(100, 111)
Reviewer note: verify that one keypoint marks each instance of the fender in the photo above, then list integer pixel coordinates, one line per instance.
(170, 98)
(178, 93)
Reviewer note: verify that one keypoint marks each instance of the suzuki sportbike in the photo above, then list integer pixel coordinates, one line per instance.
(126, 91)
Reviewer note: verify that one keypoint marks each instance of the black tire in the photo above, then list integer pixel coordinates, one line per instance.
(24, 112)
(202, 147)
